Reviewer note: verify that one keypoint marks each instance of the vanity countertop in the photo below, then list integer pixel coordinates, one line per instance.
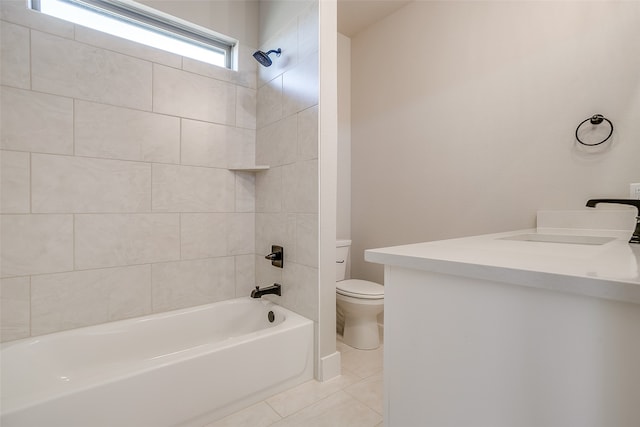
(610, 270)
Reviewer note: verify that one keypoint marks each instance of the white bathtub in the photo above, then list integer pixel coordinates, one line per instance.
(182, 368)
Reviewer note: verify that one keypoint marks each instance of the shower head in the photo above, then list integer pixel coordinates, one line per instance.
(263, 58)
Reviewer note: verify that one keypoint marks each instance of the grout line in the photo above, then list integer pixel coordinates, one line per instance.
(30, 183)
(73, 127)
(30, 61)
(30, 309)
(73, 243)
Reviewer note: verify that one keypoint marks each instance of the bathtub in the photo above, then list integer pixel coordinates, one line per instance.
(181, 368)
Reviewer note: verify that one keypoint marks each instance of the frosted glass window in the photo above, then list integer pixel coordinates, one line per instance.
(128, 20)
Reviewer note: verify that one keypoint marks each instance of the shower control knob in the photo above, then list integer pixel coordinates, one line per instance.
(276, 256)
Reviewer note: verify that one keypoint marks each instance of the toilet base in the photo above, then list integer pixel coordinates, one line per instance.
(361, 332)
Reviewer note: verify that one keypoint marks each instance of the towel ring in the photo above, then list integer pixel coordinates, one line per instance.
(596, 119)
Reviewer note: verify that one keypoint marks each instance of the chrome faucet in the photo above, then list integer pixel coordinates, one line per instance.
(275, 289)
(635, 238)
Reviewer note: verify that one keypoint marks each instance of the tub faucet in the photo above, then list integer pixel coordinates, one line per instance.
(635, 238)
(275, 289)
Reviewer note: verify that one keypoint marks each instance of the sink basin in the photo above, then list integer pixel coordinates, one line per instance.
(559, 238)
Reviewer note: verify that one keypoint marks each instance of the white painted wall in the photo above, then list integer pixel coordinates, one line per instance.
(344, 138)
(464, 113)
(329, 366)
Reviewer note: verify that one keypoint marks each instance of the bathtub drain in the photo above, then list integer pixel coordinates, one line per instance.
(271, 316)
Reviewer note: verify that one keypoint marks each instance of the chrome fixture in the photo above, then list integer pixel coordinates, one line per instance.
(635, 238)
(275, 289)
(263, 58)
(276, 256)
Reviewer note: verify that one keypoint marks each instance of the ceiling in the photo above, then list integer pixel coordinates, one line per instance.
(356, 15)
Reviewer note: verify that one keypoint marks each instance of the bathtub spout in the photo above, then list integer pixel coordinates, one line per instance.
(275, 289)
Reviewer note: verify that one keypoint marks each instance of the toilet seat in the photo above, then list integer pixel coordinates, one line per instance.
(362, 289)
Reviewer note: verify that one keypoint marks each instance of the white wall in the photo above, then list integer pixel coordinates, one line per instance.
(116, 197)
(344, 138)
(464, 113)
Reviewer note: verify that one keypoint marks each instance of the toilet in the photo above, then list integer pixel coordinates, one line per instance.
(359, 302)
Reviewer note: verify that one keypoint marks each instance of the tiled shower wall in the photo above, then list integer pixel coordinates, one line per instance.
(287, 141)
(116, 198)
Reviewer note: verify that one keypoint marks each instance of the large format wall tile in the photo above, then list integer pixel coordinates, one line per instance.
(203, 235)
(205, 144)
(34, 244)
(276, 144)
(307, 240)
(300, 86)
(308, 134)
(241, 233)
(190, 95)
(16, 64)
(276, 229)
(269, 103)
(188, 283)
(37, 122)
(246, 107)
(122, 133)
(83, 185)
(14, 182)
(241, 147)
(269, 190)
(192, 189)
(245, 274)
(89, 73)
(301, 181)
(124, 239)
(82, 298)
(301, 289)
(15, 314)
(245, 192)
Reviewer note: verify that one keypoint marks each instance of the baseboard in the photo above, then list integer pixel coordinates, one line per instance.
(330, 366)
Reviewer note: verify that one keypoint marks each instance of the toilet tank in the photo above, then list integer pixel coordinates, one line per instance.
(342, 258)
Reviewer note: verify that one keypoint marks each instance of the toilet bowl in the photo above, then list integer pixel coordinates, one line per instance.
(359, 302)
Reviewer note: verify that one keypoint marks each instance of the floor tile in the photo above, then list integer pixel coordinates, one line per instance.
(368, 391)
(336, 410)
(363, 363)
(258, 415)
(341, 346)
(354, 399)
(297, 398)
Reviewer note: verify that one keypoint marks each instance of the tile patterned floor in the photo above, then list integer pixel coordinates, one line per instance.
(352, 400)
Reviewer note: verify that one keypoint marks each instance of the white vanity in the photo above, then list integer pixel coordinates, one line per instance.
(531, 328)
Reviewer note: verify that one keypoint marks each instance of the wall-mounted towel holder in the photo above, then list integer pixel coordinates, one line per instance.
(596, 119)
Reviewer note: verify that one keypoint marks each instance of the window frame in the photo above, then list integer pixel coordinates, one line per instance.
(143, 16)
